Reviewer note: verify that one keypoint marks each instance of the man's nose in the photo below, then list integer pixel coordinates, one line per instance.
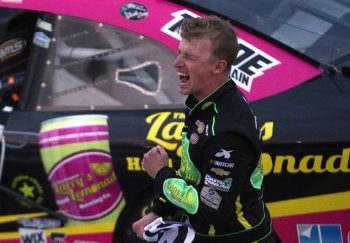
(177, 62)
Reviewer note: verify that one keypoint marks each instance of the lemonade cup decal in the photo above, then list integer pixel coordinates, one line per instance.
(76, 155)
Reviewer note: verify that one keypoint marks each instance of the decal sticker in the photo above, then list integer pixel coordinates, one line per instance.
(32, 235)
(310, 233)
(44, 25)
(172, 28)
(41, 39)
(134, 11)
(210, 197)
(222, 185)
(251, 63)
(39, 223)
(85, 190)
(165, 130)
(308, 163)
(12, 48)
(224, 153)
(134, 163)
(200, 126)
(28, 187)
(59, 237)
(266, 130)
(220, 172)
(222, 164)
(194, 138)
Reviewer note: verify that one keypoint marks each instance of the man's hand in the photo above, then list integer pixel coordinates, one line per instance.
(154, 160)
(138, 226)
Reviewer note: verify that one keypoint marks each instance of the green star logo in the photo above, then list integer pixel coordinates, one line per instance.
(29, 187)
(27, 190)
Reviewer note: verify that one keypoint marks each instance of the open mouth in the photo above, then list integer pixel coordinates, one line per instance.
(183, 77)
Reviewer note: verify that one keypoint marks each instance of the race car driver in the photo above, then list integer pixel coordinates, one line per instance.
(218, 186)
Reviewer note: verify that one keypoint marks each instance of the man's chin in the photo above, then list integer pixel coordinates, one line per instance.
(184, 91)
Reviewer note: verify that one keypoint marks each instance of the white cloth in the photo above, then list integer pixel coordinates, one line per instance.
(168, 232)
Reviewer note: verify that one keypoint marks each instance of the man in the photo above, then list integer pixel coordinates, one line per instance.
(218, 185)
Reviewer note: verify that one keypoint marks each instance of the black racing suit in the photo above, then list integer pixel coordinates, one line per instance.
(218, 184)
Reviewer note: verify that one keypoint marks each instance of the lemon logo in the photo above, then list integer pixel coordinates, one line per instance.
(190, 197)
(101, 168)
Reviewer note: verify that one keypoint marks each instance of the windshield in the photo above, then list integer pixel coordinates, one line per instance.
(319, 29)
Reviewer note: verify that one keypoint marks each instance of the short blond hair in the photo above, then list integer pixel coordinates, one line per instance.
(218, 31)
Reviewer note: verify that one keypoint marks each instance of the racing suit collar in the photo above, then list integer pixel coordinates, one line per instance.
(192, 104)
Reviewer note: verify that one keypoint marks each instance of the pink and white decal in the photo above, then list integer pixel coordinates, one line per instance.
(262, 70)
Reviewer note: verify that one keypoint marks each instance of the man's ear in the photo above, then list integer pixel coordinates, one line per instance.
(220, 66)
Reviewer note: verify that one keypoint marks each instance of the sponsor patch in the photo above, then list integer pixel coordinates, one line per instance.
(222, 185)
(224, 153)
(222, 164)
(200, 126)
(210, 197)
(194, 138)
(134, 11)
(220, 172)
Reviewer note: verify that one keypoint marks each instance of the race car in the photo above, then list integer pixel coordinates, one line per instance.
(110, 63)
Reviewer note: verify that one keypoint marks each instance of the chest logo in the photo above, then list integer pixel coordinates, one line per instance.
(200, 126)
(194, 138)
(220, 172)
(224, 153)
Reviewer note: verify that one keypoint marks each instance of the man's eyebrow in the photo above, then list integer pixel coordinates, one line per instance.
(187, 53)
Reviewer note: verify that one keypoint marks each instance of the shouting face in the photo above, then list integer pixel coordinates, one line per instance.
(196, 67)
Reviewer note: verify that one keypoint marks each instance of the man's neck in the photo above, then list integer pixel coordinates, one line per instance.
(215, 84)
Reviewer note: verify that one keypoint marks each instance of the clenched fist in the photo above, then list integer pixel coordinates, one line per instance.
(154, 160)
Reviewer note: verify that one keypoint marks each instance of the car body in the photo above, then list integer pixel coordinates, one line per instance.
(114, 58)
